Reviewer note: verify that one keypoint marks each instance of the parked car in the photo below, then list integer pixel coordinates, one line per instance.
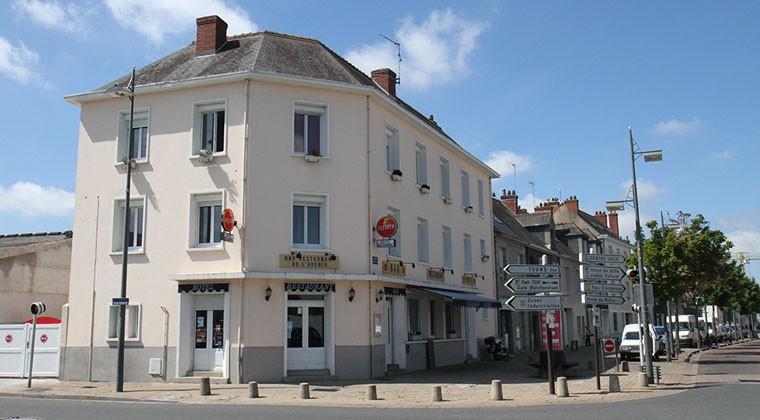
(687, 330)
(662, 339)
(630, 342)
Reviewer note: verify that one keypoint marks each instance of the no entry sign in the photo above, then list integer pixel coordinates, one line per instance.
(387, 226)
(228, 220)
(609, 345)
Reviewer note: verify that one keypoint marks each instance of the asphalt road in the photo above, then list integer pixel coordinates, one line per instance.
(711, 399)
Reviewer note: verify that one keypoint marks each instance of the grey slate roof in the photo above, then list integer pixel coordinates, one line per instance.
(22, 239)
(506, 224)
(535, 219)
(591, 220)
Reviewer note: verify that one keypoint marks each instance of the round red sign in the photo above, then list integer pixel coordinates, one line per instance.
(228, 220)
(387, 226)
(44, 338)
(609, 346)
(8, 338)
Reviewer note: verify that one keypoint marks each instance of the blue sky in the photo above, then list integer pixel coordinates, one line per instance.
(551, 86)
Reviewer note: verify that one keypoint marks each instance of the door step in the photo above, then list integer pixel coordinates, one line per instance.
(195, 377)
(309, 375)
(204, 373)
(393, 370)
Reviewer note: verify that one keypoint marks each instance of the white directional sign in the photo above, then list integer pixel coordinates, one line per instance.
(602, 259)
(533, 270)
(534, 303)
(533, 285)
(601, 300)
(598, 272)
(597, 288)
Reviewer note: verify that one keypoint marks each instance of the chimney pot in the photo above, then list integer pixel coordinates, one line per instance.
(386, 78)
(211, 34)
(509, 199)
(613, 223)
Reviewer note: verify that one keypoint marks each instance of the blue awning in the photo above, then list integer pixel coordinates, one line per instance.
(470, 300)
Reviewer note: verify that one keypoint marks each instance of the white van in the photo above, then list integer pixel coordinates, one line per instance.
(630, 342)
(687, 330)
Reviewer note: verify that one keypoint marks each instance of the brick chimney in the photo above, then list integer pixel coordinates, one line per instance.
(613, 219)
(550, 205)
(509, 199)
(386, 78)
(211, 34)
(572, 204)
(601, 217)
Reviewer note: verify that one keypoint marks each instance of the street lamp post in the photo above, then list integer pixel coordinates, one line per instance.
(129, 92)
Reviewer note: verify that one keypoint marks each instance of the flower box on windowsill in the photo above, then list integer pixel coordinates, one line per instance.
(123, 163)
(447, 200)
(484, 258)
(468, 209)
(396, 175)
(424, 189)
(312, 158)
(205, 156)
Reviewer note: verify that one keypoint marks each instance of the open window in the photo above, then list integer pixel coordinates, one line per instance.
(310, 129)
(209, 128)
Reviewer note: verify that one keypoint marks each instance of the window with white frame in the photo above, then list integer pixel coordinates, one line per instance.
(141, 136)
(396, 250)
(413, 309)
(453, 320)
(481, 198)
(132, 324)
(310, 129)
(309, 222)
(465, 178)
(423, 253)
(467, 243)
(206, 220)
(392, 153)
(483, 249)
(446, 242)
(209, 127)
(445, 181)
(136, 230)
(421, 164)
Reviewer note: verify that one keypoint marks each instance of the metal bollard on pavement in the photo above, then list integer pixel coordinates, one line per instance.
(614, 384)
(437, 394)
(562, 390)
(253, 389)
(643, 380)
(624, 366)
(496, 392)
(371, 392)
(205, 386)
(303, 391)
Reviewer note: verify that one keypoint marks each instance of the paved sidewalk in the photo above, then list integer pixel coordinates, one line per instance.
(463, 386)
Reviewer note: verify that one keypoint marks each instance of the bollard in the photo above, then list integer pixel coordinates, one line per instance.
(643, 380)
(303, 391)
(371, 392)
(614, 384)
(253, 389)
(562, 390)
(624, 366)
(205, 386)
(437, 394)
(496, 393)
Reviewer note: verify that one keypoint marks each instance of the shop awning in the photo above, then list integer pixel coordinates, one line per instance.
(470, 300)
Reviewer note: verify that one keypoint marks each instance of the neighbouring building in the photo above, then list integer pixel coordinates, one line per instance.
(33, 267)
(309, 153)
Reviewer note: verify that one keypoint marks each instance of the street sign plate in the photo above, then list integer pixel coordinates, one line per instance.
(533, 270)
(227, 237)
(533, 285)
(597, 288)
(385, 243)
(120, 301)
(601, 300)
(534, 303)
(609, 345)
(598, 272)
(602, 259)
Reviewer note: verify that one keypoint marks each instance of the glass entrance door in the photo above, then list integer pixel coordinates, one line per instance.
(305, 331)
(209, 340)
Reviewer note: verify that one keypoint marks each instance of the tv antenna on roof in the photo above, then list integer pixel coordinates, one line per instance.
(398, 54)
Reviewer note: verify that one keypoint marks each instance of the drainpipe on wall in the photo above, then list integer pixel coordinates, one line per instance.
(166, 342)
(94, 275)
(243, 265)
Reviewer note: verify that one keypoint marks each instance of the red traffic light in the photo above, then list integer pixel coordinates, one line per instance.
(632, 273)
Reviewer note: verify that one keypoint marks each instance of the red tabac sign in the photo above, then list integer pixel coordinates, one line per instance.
(228, 220)
(387, 226)
(554, 319)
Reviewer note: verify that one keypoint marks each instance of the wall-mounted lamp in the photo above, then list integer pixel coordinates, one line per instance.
(408, 263)
(444, 269)
(268, 293)
(380, 295)
(484, 258)
(351, 295)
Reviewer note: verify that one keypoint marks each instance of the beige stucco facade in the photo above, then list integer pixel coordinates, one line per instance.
(259, 178)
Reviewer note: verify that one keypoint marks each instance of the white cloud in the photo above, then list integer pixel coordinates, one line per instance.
(745, 240)
(159, 19)
(677, 127)
(29, 199)
(18, 62)
(53, 14)
(501, 161)
(646, 189)
(723, 155)
(434, 51)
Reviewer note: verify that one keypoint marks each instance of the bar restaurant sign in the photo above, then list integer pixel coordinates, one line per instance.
(468, 279)
(394, 268)
(319, 260)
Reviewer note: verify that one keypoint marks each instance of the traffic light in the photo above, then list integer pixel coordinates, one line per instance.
(632, 273)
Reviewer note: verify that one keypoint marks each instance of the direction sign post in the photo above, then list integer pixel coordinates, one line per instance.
(598, 272)
(533, 270)
(534, 303)
(602, 288)
(587, 299)
(606, 259)
(532, 285)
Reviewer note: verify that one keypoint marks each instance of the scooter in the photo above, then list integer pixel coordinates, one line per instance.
(495, 347)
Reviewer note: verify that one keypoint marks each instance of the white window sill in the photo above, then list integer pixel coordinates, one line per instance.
(137, 163)
(303, 155)
(215, 155)
(394, 258)
(140, 251)
(423, 263)
(325, 250)
(126, 340)
(209, 248)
